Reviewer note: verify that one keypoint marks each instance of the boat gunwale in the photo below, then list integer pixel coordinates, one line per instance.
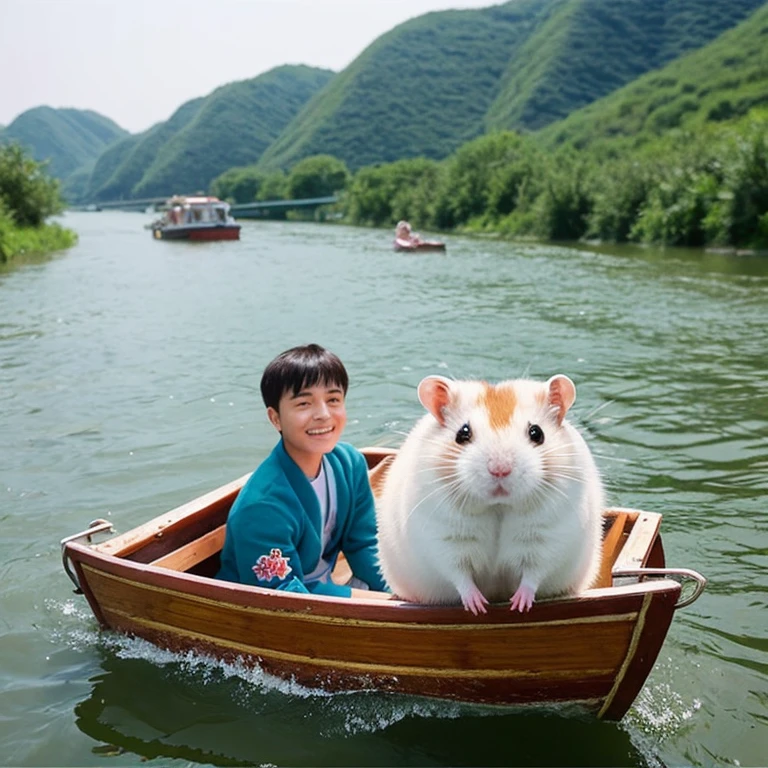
(602, 601)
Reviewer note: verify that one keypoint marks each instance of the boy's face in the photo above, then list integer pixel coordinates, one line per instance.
(311, 422)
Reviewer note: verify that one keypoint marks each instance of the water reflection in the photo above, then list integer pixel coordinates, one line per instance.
(201, 714)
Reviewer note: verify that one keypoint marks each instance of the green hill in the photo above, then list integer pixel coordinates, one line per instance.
(436, 81)
(720, 81)
(586, 49)
(421, 89)
(430, 85)
(68, 138)
(122, 166)
(232, 126)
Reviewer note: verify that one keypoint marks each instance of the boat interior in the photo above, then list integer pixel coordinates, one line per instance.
(190, 538)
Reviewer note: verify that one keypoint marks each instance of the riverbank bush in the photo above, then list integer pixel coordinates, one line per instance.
(703, 187)
(28, 196)
(383, 194)
(17, 242)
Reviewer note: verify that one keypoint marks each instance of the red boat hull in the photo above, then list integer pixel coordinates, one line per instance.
(228, 232)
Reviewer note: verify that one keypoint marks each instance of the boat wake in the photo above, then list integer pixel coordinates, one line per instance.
(343, 713)
(658, 714)
(657, 717)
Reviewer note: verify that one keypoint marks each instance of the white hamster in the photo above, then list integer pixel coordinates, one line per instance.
(493, 494)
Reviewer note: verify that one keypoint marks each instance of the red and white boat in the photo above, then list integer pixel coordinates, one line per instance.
(196, 218)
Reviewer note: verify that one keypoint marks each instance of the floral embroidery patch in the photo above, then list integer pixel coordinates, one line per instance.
(271, 565)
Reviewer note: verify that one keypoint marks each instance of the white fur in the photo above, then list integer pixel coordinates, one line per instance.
(448, 527)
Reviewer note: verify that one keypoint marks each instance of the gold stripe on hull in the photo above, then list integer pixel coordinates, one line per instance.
(630, 616)
(633, 644)
(361, 668)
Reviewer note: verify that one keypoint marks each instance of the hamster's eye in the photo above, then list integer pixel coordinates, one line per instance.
(464, 435)
(536, 433)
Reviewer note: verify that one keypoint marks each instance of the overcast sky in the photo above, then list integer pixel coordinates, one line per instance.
(137, 61)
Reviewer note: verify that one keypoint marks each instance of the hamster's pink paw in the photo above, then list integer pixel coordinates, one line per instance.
(474, 600)
(522, 600)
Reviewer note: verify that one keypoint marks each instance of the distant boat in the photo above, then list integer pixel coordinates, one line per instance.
(595, 649)
(407, 240)
(196, 218)
(421, 245)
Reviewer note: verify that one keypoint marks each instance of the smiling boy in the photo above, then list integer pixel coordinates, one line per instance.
(310, 499)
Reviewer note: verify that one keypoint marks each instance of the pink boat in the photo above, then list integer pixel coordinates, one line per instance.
(420, 245)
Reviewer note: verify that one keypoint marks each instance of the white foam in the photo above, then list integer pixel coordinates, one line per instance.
(660, 711)
(657, 713)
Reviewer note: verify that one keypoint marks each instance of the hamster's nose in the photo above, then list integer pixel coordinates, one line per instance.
(499, 468)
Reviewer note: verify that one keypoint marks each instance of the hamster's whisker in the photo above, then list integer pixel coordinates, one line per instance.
(440, 443)
(458, 498)
(576, 480)
(552, 486)
(557, 450)
(451, 480)
(440, 471)
(561, 475)
(596, 410)
(568, 469)
(428, 496)
(611, 458)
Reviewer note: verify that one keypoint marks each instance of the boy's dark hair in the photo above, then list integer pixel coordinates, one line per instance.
(299, 368)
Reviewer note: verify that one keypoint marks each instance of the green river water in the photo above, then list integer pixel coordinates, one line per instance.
(129, 372)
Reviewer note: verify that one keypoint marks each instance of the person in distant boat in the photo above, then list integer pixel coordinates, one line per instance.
(310, 499)
(404, 238)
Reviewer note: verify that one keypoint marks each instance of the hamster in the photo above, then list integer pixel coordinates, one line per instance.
(492, 496)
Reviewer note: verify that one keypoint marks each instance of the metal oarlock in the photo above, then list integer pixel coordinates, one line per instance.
(679, 574)
(96, 526)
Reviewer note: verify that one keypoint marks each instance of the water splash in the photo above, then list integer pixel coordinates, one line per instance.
(658, 714)
(661, 712)
(334, 714)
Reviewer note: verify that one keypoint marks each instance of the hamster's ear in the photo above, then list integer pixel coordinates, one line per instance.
(561, 393)
(435, 394)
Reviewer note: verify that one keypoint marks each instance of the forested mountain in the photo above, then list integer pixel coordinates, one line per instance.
(427, 87)
(421, 89)
(69, 138)
(123, 165)
(230, 127)
(720, 81)
(586, 49)
(434, 82)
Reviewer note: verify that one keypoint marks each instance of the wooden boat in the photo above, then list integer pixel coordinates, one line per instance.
(421, 246)
(595, 650)
(196, 218)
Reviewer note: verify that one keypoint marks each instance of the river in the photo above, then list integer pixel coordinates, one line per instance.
(129, 374)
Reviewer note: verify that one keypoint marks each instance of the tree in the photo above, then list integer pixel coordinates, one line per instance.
(382, 194)
(317, 176)
(274, 187)
(30, 195)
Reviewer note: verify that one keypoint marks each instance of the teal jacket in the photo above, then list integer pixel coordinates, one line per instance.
(277, 509)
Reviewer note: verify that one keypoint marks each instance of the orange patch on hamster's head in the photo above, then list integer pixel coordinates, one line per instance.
(500, 402)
